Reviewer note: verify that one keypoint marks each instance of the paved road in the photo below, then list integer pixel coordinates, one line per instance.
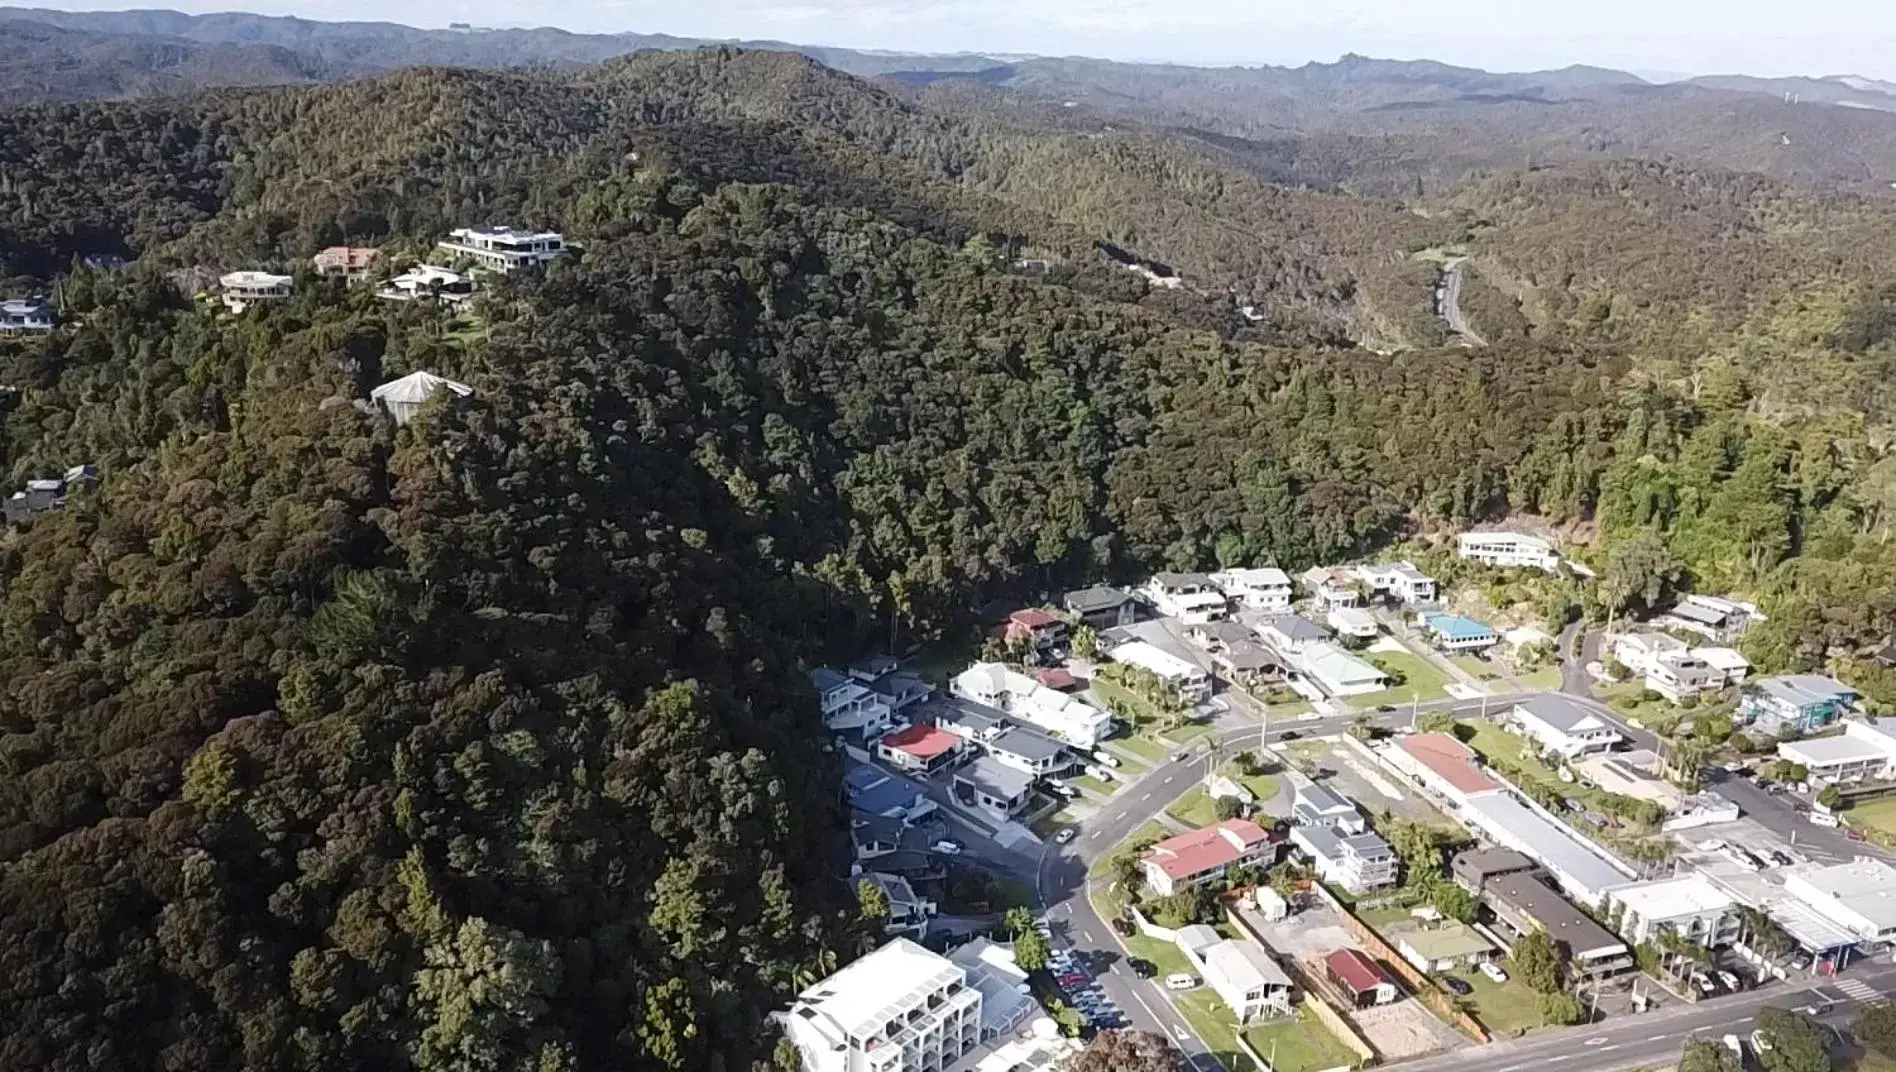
(1451, 302)
(1653, 1039)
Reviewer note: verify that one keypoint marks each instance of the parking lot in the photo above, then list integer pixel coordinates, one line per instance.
(1079, 986)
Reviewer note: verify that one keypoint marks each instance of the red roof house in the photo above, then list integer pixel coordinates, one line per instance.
(1442, 763)
(346, 260)
(1205, 854)
(1037, 628)
(919, 748)
(1361, 978)
(1057, 679)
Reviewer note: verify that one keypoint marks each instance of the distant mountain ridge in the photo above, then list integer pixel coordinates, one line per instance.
(1844, 90)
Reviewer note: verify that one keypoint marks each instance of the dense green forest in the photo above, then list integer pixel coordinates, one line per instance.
(484, 743)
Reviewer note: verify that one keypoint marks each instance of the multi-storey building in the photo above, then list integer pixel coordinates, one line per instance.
(899, 1009)
(505, 250)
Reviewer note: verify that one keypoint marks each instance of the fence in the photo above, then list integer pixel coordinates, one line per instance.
(1149, 928)
(1313, 993)
(1438, 1001)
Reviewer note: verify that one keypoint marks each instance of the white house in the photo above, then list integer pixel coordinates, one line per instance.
(1188, 678)
(1726, 661)
(1865, 750)
(999, 789)
(1189, 597)
(1399, 581)
(1258, 589)
(505, 250)
(426, 281)
(1353, 622)
(402, 399)
(1250, 982)
(1067, 717)
(247, 288)
(849, 708)
(1316, 804)
(1689, 905)
(1337, 672)
(899, 1009)
(1331, 587)
(1562, 725)
(1358, 862)
(1668, 667)
(1509, 550)
(25, 316)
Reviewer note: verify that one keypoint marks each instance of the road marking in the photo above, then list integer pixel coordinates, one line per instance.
(1147, 796)
(1559, 1057)
(1597, 1040)
(1094, 834)
(1605, 1049)
(1658, 1038)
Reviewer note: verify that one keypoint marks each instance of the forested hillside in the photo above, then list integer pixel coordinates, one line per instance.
(485, 742)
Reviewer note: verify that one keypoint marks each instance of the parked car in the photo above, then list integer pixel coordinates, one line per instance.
(1736, 1046)
(1800, 962)
(1781, 859)
(1105, 758)
(1711, 845)
(1065, 835)
(1458, 987)
(1123, 927)
(1704, 983)
(1071, 979)
(1063, 789)
(1493, 971)
(1730, 981)
(1099, 772)
(1180, 981)
(1142, 967)
(947, 848)
(1760, 1043)
(1181, 756)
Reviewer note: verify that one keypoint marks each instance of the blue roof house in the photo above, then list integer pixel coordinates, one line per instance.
(1452, 632)
(1804, 702)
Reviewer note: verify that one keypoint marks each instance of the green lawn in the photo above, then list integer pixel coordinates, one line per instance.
(1421, 680)
(1138, 749)
(1165, 957)
(1117, 698)
(1875, 815)
(1050, 824)
(1494, 743)
(1094, 785)
(1153, 830)
(1194, 808)
(1186, 734)
(1547, 677)
(1378, 918)
(1262, 786)
(1509, 1009)
(1475, 668)
(1300, 1044)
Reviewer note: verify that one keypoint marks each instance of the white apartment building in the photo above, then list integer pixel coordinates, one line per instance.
(1257, 589)
(1190, 679)
(1562, 725)
(505, 250)
(1192, 598)
(1668, 667)
(1865, 750)
(1066, 717)
(1689, 905)
(426, 281)
(247, 288)
(1509, 550)
(1357, 862)
(25, 316)
(899, 1009)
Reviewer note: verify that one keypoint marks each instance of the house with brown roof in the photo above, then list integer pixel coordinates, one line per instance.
(348, 262)
(1041, 632)
(1441, 764)
(1208, 853)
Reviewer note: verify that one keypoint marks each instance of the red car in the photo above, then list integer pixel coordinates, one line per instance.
(1072, 979)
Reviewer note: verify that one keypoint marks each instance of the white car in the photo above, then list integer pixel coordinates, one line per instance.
(948, 848)
(1735, 1045)
(1730, 981)
(1099, 772)
(1105, 758)
(1760, 1043)
(1065, 835)
(1180, 981)
(1711, 845)
(1493, 971)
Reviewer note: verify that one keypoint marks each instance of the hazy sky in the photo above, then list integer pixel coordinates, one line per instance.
(1769, 37)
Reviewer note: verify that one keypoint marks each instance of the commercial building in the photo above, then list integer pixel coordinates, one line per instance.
(1102, 607)
(1689, 905)
(1803, 702)
(1563, 725)
(1399, 582)
(1020, 695)
(1250, 982)
(1859, 897)
(1187, 678)
(994, 787)
(1256, 589)
(505, 250)
(1189, 597)
(244, 289)
(1865, 750)
(1509, 550)
(1203, 855)
(899, 1009)
(1453, 632)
